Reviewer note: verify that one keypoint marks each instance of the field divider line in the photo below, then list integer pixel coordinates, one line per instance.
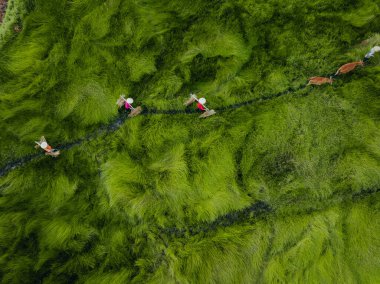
(116, 124)
(257, 210)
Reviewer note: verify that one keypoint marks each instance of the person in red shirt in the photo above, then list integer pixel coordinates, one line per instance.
(206, 112)
(201, 103)
(47, 148)
(127, 103)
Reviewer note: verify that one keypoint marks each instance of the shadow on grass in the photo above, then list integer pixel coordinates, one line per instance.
(116, 124)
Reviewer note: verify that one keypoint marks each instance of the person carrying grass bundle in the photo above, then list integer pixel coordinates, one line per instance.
(47, 148)
(127, 103)
(371, 53)
(200, 105)
(320, 80)
(348, 67)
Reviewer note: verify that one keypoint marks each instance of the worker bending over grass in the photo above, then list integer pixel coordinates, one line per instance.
(200, 105)
(127, 103)
(47, 148)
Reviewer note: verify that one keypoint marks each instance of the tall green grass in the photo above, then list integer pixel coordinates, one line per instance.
(148, 203)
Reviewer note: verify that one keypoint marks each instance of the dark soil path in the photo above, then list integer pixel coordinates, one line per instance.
(117, 123)
(3, 8)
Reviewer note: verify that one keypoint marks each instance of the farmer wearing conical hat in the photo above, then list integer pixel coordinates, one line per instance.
(47, 148)
(200, 105)
(128, 106)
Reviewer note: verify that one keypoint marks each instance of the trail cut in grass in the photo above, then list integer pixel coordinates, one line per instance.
(284, 189)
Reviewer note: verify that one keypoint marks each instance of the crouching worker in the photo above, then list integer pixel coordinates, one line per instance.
(127, 103)
(200, 105)
(47, 148)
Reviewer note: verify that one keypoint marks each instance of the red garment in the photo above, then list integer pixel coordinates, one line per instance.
(48, 148)
(127, 105)
(200, 106)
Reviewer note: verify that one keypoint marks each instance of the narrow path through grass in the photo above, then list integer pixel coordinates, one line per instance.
(113, 126)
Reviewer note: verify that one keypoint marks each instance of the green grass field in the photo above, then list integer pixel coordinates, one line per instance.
(283, 190)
